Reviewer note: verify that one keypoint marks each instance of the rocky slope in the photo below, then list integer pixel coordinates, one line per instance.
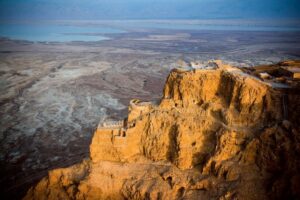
(215, 134)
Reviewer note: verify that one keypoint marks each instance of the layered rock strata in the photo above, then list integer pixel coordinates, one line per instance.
(215, 134)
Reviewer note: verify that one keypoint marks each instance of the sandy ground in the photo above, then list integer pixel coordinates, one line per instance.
(53, 95)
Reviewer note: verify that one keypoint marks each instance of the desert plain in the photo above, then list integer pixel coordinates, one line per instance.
(53, 95)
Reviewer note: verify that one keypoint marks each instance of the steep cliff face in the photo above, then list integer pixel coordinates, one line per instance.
(216, 134)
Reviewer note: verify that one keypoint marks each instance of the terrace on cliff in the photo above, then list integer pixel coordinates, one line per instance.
(276, 76)
(217, 133)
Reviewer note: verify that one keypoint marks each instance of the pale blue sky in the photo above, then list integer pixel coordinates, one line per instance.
(149, 9)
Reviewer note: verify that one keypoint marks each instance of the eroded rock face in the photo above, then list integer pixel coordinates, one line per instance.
(216, 134)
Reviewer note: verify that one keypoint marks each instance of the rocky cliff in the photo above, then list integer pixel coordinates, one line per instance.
(216, 134)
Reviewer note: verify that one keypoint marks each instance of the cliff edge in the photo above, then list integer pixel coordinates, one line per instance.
(217, 133)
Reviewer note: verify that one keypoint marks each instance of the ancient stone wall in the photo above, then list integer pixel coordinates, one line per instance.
(111, 124)
(137, 109)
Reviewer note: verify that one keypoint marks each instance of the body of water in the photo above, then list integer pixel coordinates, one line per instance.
(55, 32)
(66, 31)
(213, 25)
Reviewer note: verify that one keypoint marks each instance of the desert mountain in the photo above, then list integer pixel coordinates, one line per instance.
(217, 133)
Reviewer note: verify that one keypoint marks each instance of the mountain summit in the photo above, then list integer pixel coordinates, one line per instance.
(218, 133)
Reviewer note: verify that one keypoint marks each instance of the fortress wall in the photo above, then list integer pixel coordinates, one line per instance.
(138, 109)
(102, 146)
(108, 144)
(111, 124)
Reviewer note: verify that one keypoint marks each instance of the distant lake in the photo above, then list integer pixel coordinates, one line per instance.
(66, 31)
(213, 25)
(55, 32)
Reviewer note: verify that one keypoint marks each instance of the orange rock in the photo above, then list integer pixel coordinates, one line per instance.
(216, 134)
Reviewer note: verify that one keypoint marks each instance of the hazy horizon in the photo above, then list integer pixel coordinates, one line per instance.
(148, 9)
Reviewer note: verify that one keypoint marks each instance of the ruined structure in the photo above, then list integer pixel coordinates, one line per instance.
(216, 134)
(292, 72)
(287, 72)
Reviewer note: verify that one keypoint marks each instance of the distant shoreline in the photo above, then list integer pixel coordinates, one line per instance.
(90, 31)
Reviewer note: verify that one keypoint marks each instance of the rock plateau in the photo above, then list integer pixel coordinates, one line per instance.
(215, 134)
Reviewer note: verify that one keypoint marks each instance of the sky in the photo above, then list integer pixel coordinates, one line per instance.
(148, 9)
